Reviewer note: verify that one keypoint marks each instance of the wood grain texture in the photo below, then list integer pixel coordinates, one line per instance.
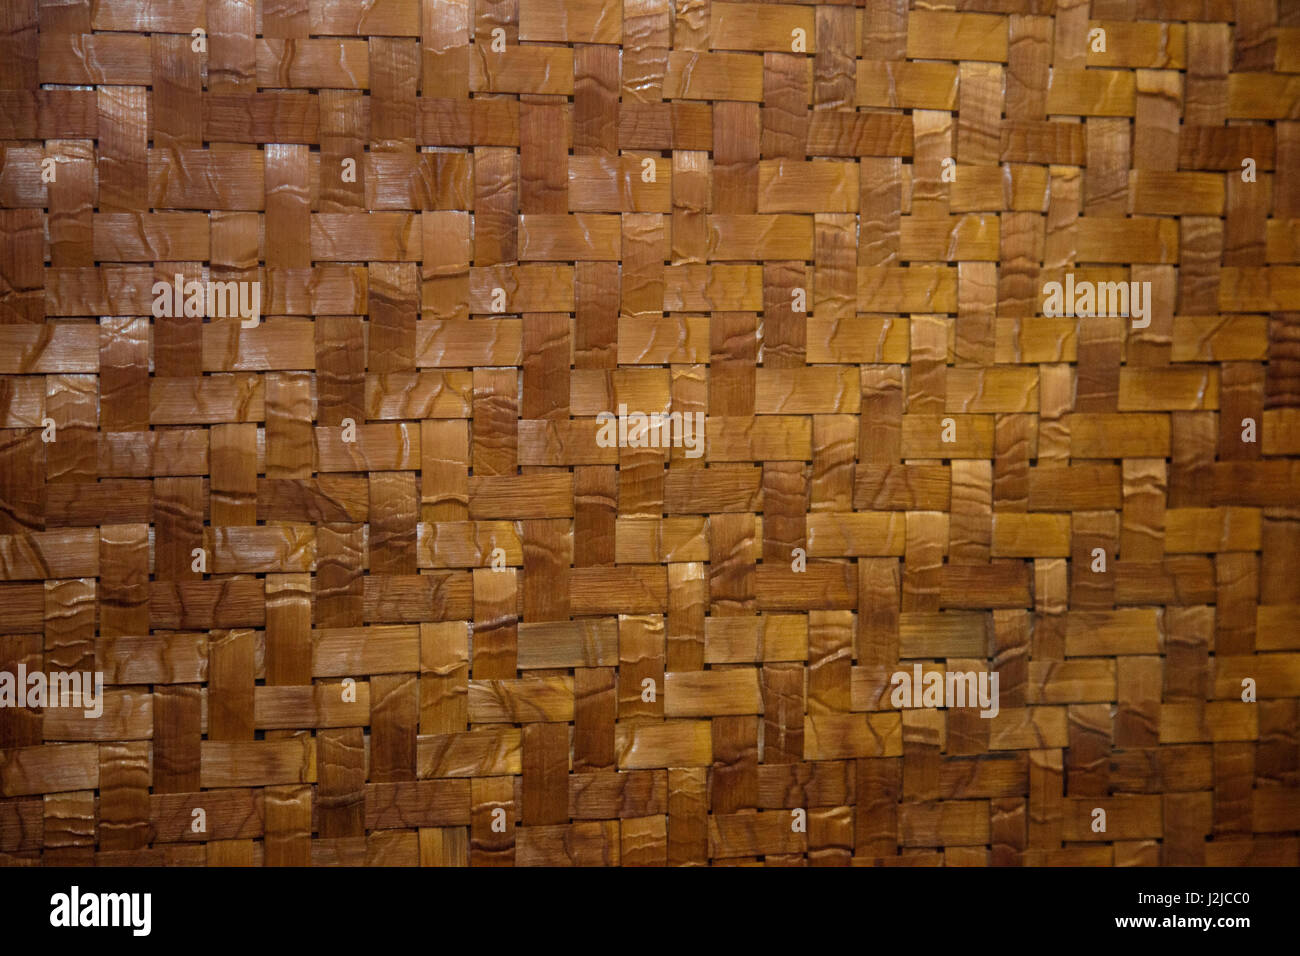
(370, 572)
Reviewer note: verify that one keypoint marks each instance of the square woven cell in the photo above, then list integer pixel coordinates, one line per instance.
(548, 432)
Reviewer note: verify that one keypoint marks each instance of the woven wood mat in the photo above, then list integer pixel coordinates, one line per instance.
(371, 577)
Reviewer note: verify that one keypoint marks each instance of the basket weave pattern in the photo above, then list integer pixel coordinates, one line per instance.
(371, 576)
